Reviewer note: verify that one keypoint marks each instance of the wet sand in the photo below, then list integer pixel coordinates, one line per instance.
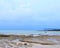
(21, 41)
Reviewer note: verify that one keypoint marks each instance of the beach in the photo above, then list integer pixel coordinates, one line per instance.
(30, 41)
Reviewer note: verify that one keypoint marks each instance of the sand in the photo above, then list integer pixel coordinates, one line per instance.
(42, 41)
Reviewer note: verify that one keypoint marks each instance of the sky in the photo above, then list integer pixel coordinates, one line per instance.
(29, 14)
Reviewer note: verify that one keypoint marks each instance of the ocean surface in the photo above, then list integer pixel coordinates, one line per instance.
(27, 32)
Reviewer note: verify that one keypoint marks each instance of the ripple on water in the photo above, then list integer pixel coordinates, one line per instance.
(53, 40)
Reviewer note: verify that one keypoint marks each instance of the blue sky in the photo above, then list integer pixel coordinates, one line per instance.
(29, 14)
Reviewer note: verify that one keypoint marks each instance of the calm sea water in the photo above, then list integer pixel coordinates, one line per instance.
(27, 32)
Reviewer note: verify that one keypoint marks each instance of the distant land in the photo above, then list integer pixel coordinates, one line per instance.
(52, 30)
(49, 30)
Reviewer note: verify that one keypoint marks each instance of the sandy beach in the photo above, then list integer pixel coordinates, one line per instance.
(22, 41)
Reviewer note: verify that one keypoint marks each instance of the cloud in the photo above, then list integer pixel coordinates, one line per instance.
(35, 10)
(30, 13)
(14, 7)
(27, 6)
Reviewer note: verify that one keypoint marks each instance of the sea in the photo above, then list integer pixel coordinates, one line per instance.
(28, 32)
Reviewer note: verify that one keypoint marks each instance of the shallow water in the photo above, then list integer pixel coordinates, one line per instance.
(26, 32)
(53, 40)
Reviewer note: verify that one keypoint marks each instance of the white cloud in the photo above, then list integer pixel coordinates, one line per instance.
(14, 7)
